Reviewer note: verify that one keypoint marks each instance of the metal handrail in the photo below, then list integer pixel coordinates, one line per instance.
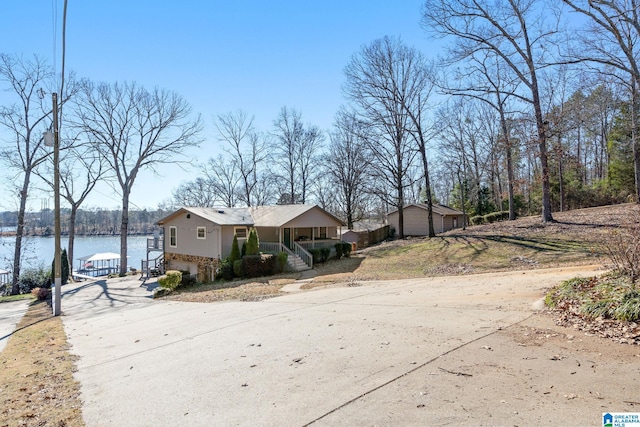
(155, 244)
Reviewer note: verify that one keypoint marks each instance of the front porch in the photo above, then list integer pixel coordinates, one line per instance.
(296, 241)
(298, 251)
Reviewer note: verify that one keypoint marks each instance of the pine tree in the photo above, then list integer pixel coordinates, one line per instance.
(253, 245)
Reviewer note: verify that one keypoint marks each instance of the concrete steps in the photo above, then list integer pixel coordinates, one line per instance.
(296, 263)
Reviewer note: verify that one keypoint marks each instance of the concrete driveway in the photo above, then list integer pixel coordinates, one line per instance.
(376, 353)
(10, 315)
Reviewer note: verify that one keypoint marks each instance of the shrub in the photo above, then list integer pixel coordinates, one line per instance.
(324, 254)
(237, 268)
(31, 278)
(622, 247)
(338, 247)
(170, 280)
(259, 265)
(476, 220)
(243, 250)
(253, 244)
(346, 249)
(281, 261)
(315, 253)
(225, 269)
(235, 250)
(42, 294)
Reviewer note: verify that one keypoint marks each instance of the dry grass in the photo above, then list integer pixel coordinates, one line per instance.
(36, 374)
(238, 290)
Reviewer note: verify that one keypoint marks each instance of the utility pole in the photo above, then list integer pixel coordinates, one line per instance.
(57, 261)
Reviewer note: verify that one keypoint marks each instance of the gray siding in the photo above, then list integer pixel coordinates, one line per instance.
(186, 238)
(416, 221)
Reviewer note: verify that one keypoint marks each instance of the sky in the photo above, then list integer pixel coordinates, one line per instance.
(221, 56)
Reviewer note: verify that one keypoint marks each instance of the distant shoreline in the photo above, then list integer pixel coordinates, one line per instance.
(12, 233)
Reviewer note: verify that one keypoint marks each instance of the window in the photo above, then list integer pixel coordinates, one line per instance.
(241, 232)
(202, 232)
(322, 232)
(173, 237)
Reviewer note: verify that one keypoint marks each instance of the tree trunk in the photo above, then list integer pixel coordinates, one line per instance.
(634, 135)
(15, 289)
(124, 229)
(542, 147)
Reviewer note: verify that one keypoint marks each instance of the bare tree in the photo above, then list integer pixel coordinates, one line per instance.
(385, 81)
(246, 146)
(486, 78)
(611, 41)
(513, 30)
(135, 129)
(288, 134)
(294, 149)
(25, 120)
(223, 177)
(81, 167)
(200, 192)
(348, 166)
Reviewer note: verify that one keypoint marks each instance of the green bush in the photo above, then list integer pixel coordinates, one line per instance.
(225, 269)
(476, 220)
(281, 261)
(64, 267)
(324, 254)
(338, 247)
(170, 280)
(235, 250)
(31, 278)
(346, 249)
(253, 244)
(259, 265)
(315, 254)
(237, 268)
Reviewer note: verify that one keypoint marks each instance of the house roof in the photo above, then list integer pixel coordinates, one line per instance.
(439, 209)
(279, 215)
(220, 216)
(259, 216)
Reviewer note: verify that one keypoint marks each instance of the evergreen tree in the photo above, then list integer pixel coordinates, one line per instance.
(64, 268)
(235, 250)
(253, 245)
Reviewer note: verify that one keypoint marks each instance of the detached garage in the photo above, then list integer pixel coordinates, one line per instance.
(416, 219)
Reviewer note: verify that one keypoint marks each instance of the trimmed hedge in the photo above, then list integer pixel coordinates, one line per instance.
(259, 265)
(170, 280)
(489, 218)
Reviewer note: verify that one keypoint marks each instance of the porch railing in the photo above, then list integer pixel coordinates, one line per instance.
(317, 244)
(303, 254)
(154, 244)
(273, 247)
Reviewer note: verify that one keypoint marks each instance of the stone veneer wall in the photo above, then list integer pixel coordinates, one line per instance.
(206, 267)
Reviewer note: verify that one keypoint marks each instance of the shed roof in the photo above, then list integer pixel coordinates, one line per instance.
(439, 209)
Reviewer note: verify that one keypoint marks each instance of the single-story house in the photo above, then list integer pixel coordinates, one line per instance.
(196, 239)
(416, 219)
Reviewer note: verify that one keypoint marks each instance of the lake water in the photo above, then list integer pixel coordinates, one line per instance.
(39, 251)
